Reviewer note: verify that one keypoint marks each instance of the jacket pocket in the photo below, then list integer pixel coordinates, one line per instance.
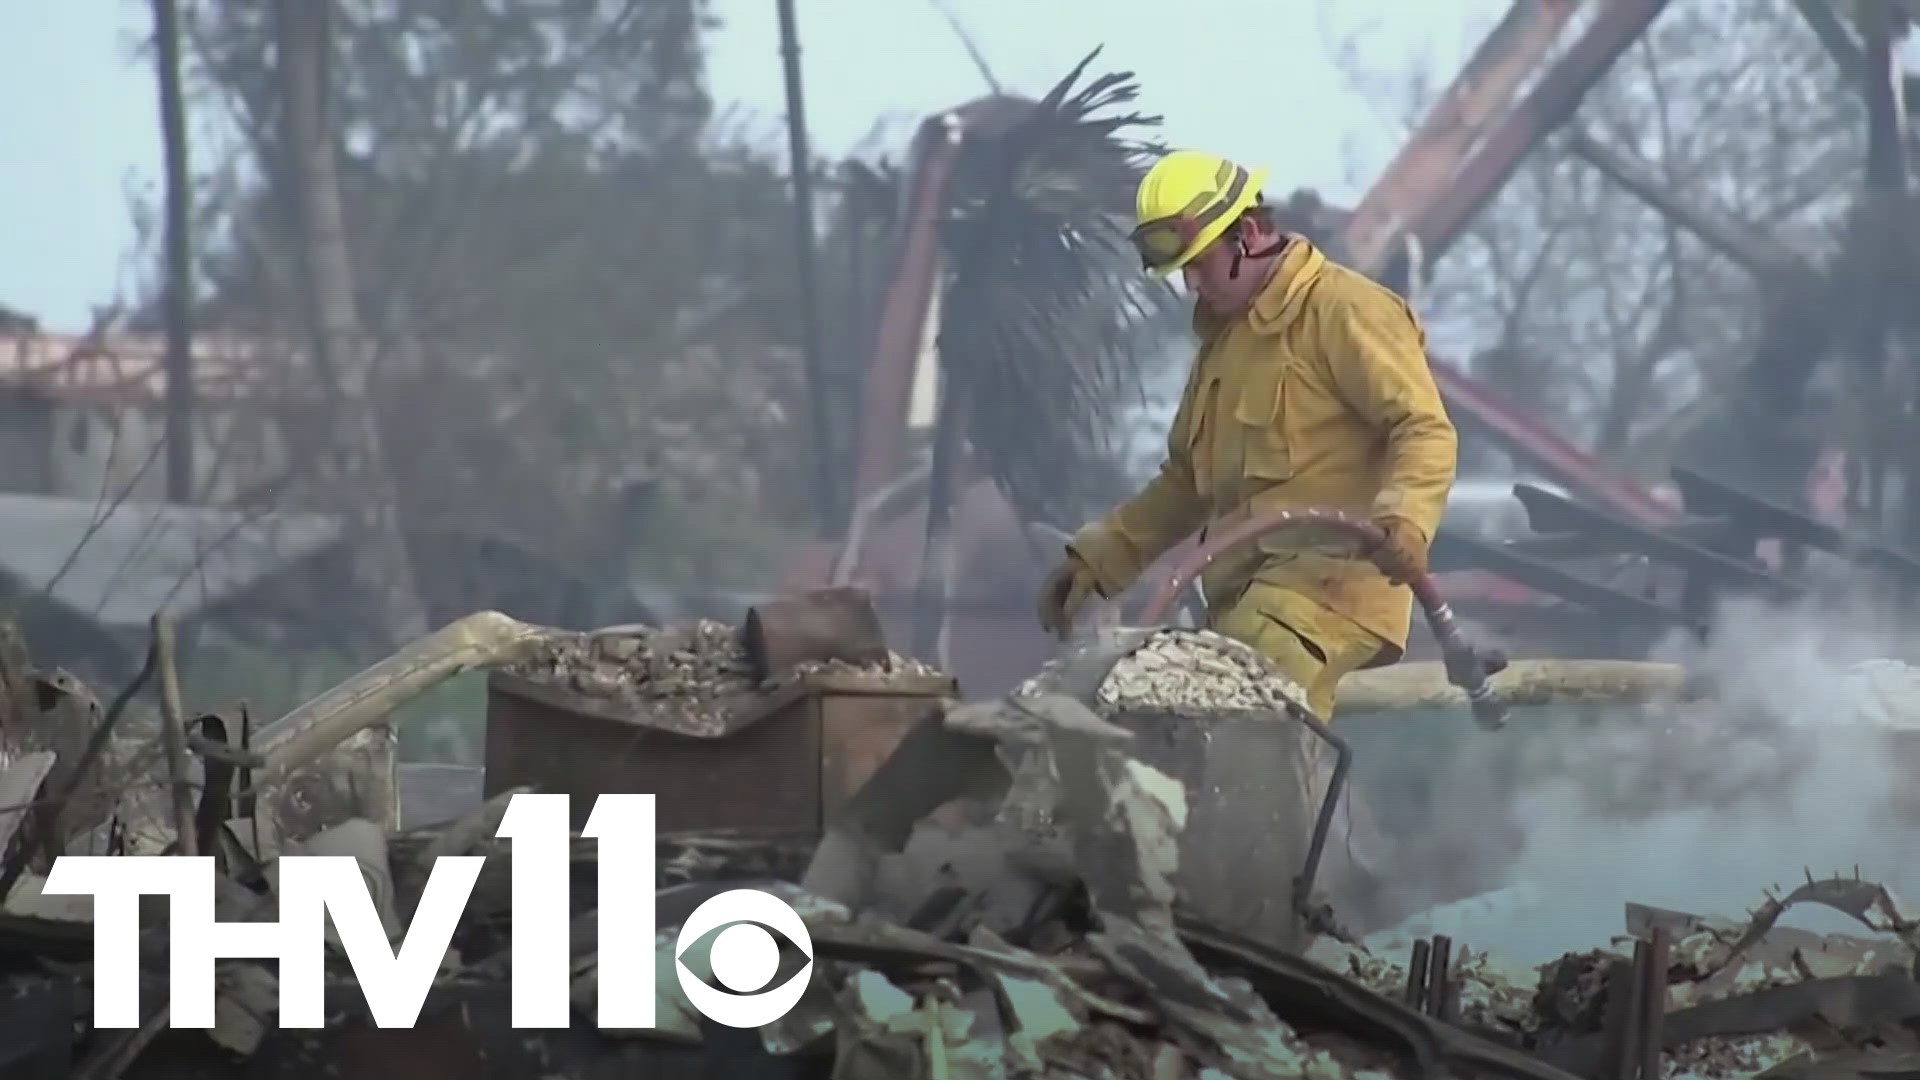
(1261, 412)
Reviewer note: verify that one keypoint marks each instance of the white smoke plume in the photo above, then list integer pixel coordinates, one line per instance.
(1805, 758)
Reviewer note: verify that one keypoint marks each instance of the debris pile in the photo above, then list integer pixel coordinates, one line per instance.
(970, 949)
(1186, 671)
(1740, 998)
(637, 665)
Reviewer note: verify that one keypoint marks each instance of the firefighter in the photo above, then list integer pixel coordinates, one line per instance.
(1310, 389)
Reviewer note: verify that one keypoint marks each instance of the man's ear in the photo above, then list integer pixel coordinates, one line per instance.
(1258, 231)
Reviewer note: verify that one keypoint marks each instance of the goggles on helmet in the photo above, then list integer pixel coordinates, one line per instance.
(1162, 241)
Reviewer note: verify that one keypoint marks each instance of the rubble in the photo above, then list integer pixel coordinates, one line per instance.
(639, 665)
(1187, 671)
(969, 948)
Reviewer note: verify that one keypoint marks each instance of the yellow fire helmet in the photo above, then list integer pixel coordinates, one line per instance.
(1185, 202)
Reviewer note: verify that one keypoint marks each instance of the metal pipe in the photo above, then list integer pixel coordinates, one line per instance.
(1653, 1003)
(1440, 977)
(1416, 992)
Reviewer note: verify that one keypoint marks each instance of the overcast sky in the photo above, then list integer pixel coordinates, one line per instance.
(1255, 78)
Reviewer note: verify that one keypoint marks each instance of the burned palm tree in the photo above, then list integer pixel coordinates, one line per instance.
(1044, 314)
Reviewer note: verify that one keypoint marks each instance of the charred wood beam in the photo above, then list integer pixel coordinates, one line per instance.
(1426, 165)
(1551, 103)
(1551, 513)
(1452, 552)
(1769, 518)
(1739, 242)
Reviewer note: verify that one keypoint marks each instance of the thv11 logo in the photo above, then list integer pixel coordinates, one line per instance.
(744, 956)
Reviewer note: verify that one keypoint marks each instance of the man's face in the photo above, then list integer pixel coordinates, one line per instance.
(1209, 276)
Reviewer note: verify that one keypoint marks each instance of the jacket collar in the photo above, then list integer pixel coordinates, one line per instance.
(1275, 305)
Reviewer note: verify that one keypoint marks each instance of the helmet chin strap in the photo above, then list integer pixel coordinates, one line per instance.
(1241, 252)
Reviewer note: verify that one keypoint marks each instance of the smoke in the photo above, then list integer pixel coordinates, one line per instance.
(1793, 766)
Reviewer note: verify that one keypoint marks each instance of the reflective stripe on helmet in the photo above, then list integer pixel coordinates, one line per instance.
(1166, 240)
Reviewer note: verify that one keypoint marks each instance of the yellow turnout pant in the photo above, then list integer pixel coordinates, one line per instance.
(1308, 643)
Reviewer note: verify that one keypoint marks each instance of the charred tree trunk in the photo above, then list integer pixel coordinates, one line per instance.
(179, 257)
(336, 340)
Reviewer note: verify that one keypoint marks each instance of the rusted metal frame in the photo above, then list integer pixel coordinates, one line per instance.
(1426, 164)
(1534, 442)
(1452, 552)
(1553, 513)
(1769, 518)
(889, 376)
(1738, 241)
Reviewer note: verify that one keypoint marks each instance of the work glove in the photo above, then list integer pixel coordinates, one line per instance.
(1402, 551)
(1065, 592)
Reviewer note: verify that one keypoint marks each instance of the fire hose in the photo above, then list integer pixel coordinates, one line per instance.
(1468, 667)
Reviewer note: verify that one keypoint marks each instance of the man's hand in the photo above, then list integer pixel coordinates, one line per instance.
(1402, 553)
(1065, 591)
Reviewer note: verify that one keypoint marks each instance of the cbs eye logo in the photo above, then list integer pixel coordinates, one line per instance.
(744, 958)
